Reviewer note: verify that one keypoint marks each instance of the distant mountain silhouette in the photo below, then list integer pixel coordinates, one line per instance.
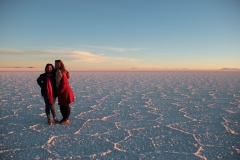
(230, 69)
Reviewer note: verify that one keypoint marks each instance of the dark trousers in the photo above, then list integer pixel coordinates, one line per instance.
(65, 110)
(48, 107)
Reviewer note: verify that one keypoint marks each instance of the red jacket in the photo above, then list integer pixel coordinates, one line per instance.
(65, 93)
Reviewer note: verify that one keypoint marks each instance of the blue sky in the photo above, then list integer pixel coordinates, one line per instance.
(121, 35)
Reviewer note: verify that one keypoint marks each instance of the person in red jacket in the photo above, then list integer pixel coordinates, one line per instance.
(47, 83)
(64, 91)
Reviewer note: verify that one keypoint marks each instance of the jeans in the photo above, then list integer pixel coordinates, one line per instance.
(48, 107)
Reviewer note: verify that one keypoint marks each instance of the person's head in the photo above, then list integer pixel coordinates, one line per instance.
(49, 68)
(59, 65)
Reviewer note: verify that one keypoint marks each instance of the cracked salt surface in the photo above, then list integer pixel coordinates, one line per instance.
(125, 115)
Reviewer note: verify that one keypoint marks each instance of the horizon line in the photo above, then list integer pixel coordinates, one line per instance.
(121, 70)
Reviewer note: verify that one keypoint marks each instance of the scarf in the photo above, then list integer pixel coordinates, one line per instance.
(49, 88)
(58, 77)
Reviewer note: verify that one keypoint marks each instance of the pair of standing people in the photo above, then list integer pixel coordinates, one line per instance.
(54, 83)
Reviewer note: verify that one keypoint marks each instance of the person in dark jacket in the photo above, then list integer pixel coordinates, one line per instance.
(47, 82)
(65, 93)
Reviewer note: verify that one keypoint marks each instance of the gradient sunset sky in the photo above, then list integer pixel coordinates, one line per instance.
(120, 34)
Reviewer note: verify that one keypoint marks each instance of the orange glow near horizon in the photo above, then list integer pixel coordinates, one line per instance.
(102, 69)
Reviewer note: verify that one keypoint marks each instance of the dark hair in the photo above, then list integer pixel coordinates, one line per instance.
(49, 64)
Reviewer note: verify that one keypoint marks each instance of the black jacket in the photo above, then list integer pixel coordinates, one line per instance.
(42, 82)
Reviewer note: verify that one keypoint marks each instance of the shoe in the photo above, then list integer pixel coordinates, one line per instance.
(65, 121)
(55, 119)
(49, 121)
(61, 120)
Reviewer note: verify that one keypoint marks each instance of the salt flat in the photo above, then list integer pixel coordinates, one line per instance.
(125, 115)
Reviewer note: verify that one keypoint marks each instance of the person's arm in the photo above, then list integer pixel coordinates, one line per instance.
(40, 83)
(62, 85)
(68, 75)
(40, 80)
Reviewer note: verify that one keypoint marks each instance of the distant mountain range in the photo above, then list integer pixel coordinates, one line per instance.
(232, 69)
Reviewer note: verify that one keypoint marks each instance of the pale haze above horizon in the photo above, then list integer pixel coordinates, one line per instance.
(120, 35)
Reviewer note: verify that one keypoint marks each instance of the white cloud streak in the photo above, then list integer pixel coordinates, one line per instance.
(88, 57)
(73, 55)
(113, 49)
(82, 56)
(8, 50)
